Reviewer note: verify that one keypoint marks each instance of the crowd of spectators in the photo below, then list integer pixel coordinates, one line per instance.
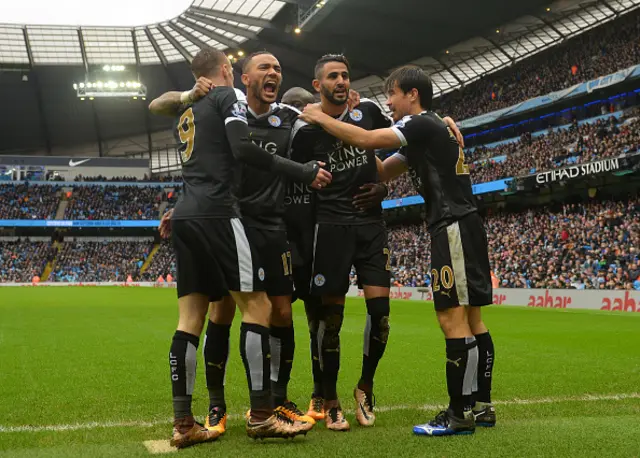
(22, 260)
(114, 202)
(577, 144)
(162, 265)
(586, 246)
(100, 261)
(125, 179)
(597, 52)
(28, 201)
(581, 246)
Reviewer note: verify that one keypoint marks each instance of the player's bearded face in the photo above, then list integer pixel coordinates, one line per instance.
(335, 84)
(265, 78)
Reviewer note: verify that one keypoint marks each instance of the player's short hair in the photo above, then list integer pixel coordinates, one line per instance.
(330, 58)
(298, 97)
(249, 58)
(412, 77)
(207, 61)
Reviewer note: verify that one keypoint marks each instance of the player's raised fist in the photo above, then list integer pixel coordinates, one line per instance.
(201, 88)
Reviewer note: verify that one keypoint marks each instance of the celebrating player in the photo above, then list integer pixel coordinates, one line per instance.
(215, 254)
(346, 236)
(460, 264)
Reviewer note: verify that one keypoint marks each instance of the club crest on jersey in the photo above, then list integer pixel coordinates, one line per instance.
(319, 280)
(356, 115)
(275, 121)
(261, 274)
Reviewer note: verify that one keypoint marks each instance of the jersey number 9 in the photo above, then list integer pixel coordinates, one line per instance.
(187, 133)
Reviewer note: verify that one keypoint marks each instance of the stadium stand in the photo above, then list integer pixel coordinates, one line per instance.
(600, 51)
(114, 203)
(582, 246)
(99, 261)
(576, 144)
(162, 264)
(27, 201)
(21, 260)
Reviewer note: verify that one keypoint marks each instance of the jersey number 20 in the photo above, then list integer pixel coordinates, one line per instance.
(187, 133)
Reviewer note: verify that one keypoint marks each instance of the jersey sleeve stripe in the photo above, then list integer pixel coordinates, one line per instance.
(402, 157)
(233, 118)
(400, 135)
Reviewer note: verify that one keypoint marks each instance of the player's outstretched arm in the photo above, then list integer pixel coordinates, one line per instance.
(391, 168)
(251, 154)
(170, 103)
(353, 135)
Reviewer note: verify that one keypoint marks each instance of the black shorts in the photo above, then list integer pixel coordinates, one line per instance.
(215, 255)
(301, 243)
(275, 255)
(460, 272)
(338, 247)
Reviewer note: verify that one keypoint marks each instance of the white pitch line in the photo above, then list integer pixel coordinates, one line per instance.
(150, 424)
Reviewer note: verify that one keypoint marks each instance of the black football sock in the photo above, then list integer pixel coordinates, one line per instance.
(283, 347)
(462, 364)
(329, 341)
(255, 352)
(376, 334)
(216, 354)
(313, 308)
(182, 361)
(486, 357)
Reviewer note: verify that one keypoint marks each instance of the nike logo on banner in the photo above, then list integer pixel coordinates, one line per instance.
(77, 163)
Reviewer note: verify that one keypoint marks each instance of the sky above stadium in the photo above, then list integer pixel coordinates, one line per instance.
(112, 13)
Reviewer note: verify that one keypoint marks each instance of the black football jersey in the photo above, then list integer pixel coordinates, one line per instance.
(209, 169)
(262, 193)
(437, 168)
(350, 167)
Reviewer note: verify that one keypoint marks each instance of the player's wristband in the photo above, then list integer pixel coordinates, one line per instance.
(185, 98)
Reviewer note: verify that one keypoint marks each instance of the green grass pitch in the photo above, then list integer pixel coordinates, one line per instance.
(84, 372)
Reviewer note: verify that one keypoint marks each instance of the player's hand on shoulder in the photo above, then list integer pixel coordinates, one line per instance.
(354, 99)
(165, 224)
(311, 113)
(319, 177)
(451, 124)
(201, 88)
(371, 196)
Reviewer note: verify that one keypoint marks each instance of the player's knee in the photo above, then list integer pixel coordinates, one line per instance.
(333, 316)
(474, 317)
(255, 307)
(378, 309)
(281, 314)
(453, 322)
(223, 311)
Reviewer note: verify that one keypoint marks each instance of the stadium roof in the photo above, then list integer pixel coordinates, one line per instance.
(463, 63)
(168, 35)
(39, 63)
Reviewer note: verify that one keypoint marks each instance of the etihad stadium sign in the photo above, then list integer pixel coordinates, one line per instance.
(577, 171)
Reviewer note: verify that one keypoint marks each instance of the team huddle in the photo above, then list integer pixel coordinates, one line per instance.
(280, 201)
